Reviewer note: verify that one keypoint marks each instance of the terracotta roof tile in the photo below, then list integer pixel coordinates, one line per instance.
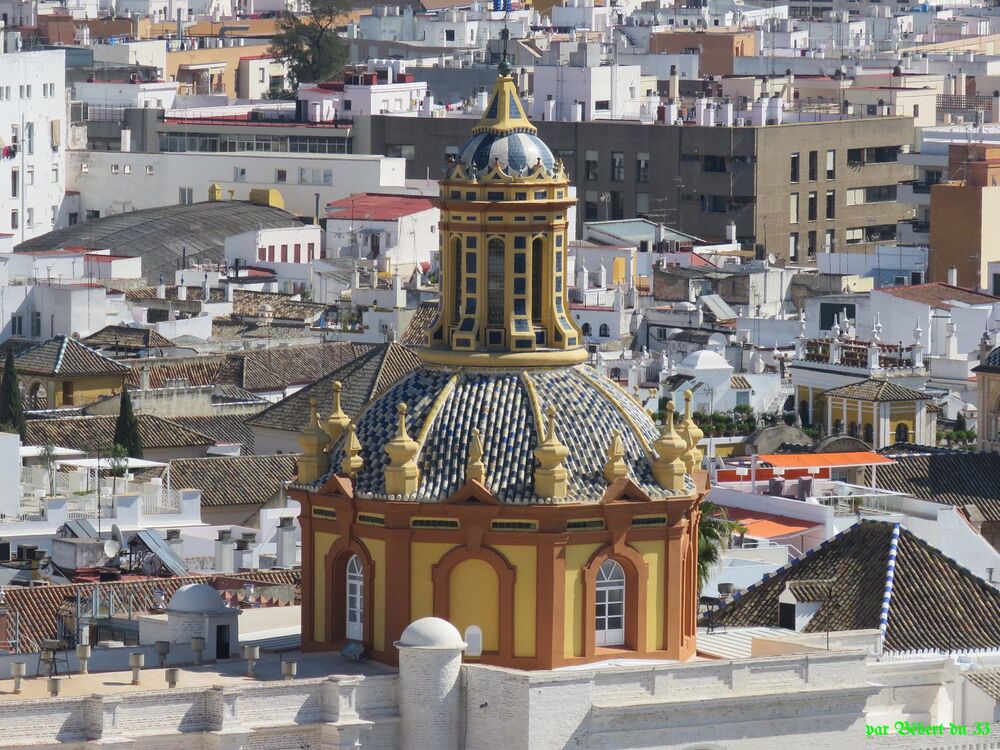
(267, 369)
(876, 389)
(939, 294)
(936, 603)
(987, 680)
(98, 432)
(362, 380)
(127, 339)
(233, 480)
(38, 608)
(65, 356)
(222, 428)
(247, 304)
(943, 476)
(423, 318)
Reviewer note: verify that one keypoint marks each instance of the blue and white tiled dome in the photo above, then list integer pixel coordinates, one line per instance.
(517, 152)
(444, 406)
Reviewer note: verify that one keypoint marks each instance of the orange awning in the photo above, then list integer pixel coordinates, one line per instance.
(823, 460)
(768, 525)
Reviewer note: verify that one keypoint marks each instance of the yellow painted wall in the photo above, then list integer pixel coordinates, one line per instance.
(322, 542)
(523, 558)
(474, 599)
(423, 556)
(376, 549)
(577, 556)
(618, 271)
(903, 413)
(654, 555)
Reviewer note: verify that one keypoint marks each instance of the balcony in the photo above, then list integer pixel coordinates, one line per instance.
(914, 192)
(923, 159)
(913, 232)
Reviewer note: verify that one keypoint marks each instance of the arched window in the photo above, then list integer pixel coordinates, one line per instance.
(586, 329)
(804, 413)
(902, 433)
(494, 282)
(852, 429)
(536, 281)
(869, 434)
(604, 330)
(609, 628)
(456, 270)
(616, 373)
(838, 427)
(355, 599)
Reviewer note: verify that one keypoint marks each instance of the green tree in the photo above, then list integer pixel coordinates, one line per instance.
(309, 44)
(960, 424)
(11, 408)
(127, 428)
(714, 533)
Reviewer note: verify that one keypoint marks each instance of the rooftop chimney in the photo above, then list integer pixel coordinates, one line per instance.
(285, 542)
(225, 553)
(953, 276)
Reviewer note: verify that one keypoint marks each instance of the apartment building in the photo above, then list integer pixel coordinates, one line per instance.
(32, 142)
(792, 189)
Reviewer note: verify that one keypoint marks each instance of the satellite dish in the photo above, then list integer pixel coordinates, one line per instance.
(112, 548)
(772, 259)
(116, 535)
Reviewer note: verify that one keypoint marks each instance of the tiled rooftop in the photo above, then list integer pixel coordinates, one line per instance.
(935, 604)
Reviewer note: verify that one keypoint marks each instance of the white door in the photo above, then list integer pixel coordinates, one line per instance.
(355, 599)
(610, 599)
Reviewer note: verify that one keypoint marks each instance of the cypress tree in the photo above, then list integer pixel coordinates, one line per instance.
(127, 428)
(11, 408)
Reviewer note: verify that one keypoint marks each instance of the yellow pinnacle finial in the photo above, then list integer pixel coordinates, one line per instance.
(312, 462)
(337, 422)
(402, 475)
(616, 466)
(476, 469)
(352, 462)
(692, 435)
(551, 476)
(668, 466)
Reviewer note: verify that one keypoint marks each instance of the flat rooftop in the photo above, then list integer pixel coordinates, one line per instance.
(229, 673)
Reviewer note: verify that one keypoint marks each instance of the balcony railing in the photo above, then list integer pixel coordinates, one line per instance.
(921, 188)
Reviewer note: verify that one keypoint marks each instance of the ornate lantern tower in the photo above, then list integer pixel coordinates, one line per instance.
(504, 485)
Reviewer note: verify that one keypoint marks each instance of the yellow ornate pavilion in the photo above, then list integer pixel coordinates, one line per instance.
(504, 485)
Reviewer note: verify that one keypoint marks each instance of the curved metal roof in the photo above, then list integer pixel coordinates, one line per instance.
(162, 235)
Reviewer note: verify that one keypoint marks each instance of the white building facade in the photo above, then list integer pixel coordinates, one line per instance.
(33, 126)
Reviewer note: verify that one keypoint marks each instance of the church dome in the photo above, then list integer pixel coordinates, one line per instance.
(517, 153)
(507, 407)
(196, 597)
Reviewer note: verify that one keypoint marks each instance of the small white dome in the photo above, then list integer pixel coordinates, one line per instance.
(196, 597)
(705, 359)
(685, 306)
(431, 632)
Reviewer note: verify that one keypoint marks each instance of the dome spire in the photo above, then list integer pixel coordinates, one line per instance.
(402, 475)
(352, 462)
(692, 435)
(337, 422)
(551, 476)
(668, 466)
(505, 113)
(312, 462)
(616, 467)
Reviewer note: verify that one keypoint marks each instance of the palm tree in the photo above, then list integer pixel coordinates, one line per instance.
(714, 533)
